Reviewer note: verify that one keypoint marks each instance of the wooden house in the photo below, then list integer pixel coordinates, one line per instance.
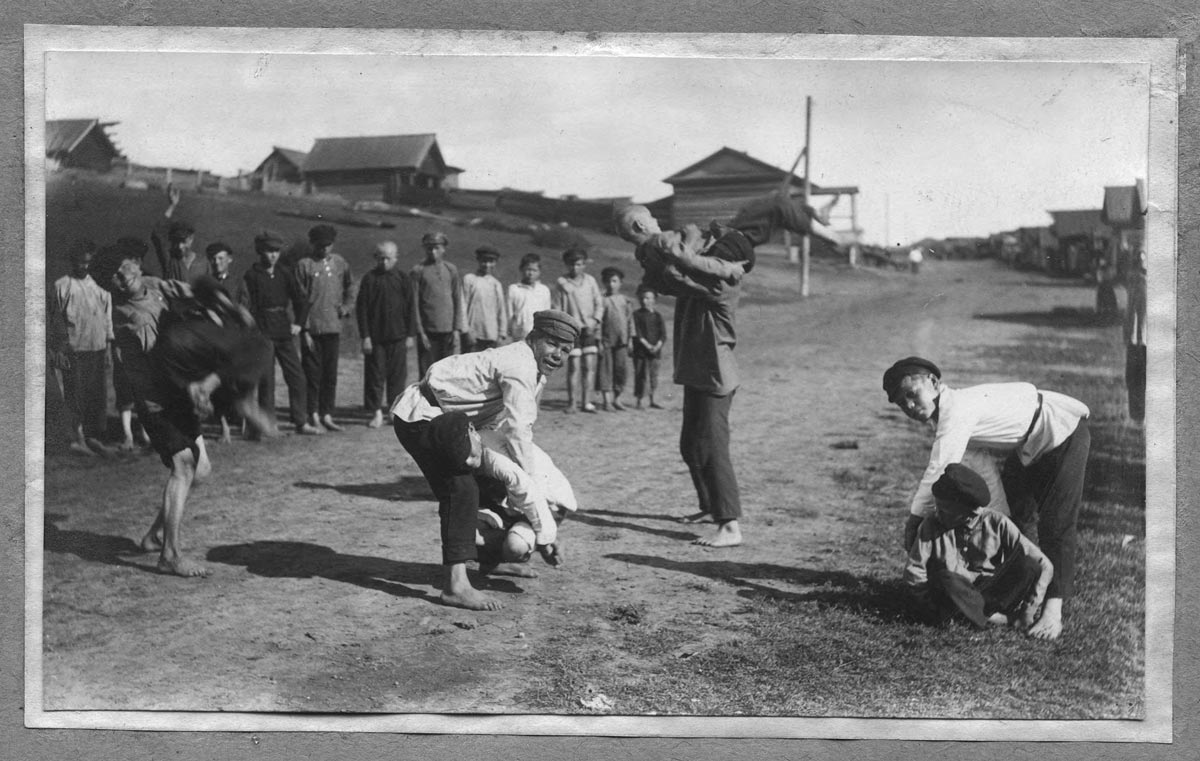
(1124, 211)
(282, 166)
(1081, 234)
(388, 168)
(81, 144)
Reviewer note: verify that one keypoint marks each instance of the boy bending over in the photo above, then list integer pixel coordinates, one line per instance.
(975, 561)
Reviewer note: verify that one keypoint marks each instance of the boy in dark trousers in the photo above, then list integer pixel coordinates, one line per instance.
(649, 335)
(384, 309)
(328, 286)
(267, 290)
(973, 560)
(441, 318)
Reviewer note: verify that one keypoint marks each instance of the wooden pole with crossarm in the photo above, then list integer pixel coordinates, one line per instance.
(806, 241)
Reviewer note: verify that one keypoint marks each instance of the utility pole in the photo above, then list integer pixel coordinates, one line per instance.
(806, 242)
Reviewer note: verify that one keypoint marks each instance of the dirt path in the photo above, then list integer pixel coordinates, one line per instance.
(325, 551)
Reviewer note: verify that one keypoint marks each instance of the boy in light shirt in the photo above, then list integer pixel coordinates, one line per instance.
(526, 297)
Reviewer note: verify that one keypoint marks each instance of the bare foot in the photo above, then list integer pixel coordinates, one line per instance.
(696, 518)
(998, 619)
(656, 406)
(78, 447)
(471, 599)
(728, 535)
(327, 421)
(151, 542)
(618, 406)
(589, 407)
(520, 570)
(1049, 625)
(377, 421)
(183, 567)
(308, 429)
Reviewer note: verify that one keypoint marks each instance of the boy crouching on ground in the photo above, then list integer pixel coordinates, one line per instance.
(973, 560)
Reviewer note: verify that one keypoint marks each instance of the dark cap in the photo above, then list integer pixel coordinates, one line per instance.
(322, 235)
(904, 368)
(962, 486)
(448, 439)
(212, 249)
(558, 325)
(434, 239)
(487, 253)
(179, 231)
(268, 240)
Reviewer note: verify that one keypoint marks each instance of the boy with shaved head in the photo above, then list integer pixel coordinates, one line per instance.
(386, 322)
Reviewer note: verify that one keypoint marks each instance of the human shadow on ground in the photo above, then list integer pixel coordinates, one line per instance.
(304, 560)
(887, 600)
(406, 489)
(592, 519)
(1059, 317)
(640, 516)
(94, 548)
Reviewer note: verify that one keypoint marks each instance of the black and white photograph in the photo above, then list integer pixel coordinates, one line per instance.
(699, 385)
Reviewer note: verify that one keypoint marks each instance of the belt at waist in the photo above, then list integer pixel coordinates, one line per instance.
(1037, 414)
(427, 392)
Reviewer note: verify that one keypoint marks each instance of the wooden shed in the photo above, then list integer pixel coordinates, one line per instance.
(1081, 235)
(80, 143)
(388, 168)
(282, 165)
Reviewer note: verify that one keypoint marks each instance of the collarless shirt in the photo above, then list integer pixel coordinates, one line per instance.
(524, 496)
(982, 547)
(523, 301)
(581, 299)
(80, 316)
(439, 297)
(497, 389)
(487, 311)
(995, 417)
(328, 286)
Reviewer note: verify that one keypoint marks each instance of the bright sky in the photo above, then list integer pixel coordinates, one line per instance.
(936, 148)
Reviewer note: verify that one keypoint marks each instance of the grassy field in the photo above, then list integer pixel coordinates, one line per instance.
(324, 550)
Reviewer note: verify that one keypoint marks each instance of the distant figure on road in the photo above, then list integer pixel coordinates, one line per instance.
(440, 315)
(387, 324)
(915, 257)
(328, 286)
(972, 560)
(484, 302)
(1135, 336)
(1045, 435)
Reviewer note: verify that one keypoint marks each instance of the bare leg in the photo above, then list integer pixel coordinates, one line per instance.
(184, 472)
(589, 382)
(728, 535)
(1049, 624)
(698, 517)
(377, 421)
(226, 435)
(572, 381)
(261, 424)
(458, 592)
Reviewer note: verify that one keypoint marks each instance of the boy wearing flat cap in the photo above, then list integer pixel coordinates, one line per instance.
(1043, 434)
(328, 287)
(497, 391)
(268, 289)
(441, 318)
(973, 560)
(483, 299)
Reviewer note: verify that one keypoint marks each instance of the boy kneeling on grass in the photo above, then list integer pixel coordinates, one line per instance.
(975, 561)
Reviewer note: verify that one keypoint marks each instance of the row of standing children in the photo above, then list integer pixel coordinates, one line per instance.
(430, 306)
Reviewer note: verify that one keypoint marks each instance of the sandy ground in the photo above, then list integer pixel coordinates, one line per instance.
(325, 551)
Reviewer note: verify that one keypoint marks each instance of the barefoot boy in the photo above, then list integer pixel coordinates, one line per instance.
(440, 315)
(173, 366)
(1045, 436)
(578, 294)
(973, 560)
(328, 286)
(497, 390)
